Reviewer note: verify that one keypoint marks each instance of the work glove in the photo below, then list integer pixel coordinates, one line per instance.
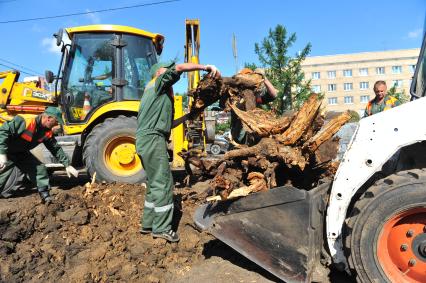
(3, 160)
(71, 171)
(213, 71)
(260, 71)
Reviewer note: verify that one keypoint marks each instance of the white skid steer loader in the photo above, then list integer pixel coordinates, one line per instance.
(371, 221)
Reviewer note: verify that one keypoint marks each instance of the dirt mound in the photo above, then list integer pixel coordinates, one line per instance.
(92, 234)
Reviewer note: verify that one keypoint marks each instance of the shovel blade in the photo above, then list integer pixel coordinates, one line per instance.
(280, 230)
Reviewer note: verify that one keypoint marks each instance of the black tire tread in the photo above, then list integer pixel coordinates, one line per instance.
(91, 140)
(380, 187)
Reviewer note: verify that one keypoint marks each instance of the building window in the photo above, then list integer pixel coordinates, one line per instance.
(332, 100)
(396, 69)
(349, 99)
(316, 75)
(347, 86)
(364, 98)
(363, 85)
(412, 68)
(397, 83)
(331, 74)
(380, 70)
(316, 88)
(347, 73)
(332, 87)
(363, 72)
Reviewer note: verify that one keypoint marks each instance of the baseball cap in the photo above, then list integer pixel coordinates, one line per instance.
(159, 65)
(54, 112)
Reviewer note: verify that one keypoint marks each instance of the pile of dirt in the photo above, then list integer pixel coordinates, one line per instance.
(91, 234)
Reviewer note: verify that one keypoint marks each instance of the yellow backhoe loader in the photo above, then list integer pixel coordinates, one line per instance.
(99, 83)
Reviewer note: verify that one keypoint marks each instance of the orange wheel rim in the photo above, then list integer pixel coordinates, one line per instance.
(401, 248)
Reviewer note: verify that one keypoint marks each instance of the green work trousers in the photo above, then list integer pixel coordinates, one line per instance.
(158, 208)
(29, 165)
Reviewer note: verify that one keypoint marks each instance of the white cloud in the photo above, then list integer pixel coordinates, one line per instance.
(415, 33)
(93, 17)
(50, 43)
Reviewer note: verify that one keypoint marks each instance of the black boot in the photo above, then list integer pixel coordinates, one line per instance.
(44, 195)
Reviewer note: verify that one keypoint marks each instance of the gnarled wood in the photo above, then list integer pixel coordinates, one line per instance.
(261, 122)
(302, 121)
(327, 131)
(270, 148)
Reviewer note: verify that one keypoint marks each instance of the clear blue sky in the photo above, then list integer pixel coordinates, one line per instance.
(332, 27)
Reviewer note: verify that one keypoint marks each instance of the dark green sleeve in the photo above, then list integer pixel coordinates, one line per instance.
(366, 112)
(14, 127)
(166, 80)
(57, 151)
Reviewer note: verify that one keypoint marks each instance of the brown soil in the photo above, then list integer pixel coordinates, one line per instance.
(92, 235)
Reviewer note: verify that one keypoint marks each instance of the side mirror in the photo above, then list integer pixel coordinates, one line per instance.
(158, 43)
(58, 36)
(49, 76)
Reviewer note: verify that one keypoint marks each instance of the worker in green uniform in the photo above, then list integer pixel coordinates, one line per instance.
(266, 94)
(155, 119)
(17, 137)
(382, 101)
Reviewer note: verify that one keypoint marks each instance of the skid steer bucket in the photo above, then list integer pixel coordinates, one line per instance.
(280, 230)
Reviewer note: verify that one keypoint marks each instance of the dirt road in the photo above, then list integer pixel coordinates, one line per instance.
(90, 234)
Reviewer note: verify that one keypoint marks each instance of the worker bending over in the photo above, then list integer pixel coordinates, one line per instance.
(17, 138)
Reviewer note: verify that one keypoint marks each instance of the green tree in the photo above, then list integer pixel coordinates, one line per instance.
(354, 116)
(400, 95)
(284, 71)
(221, 128)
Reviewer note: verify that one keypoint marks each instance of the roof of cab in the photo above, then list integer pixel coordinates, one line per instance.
(111, 28)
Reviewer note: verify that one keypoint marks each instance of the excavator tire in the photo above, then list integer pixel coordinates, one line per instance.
(109, 150)
(385, 234)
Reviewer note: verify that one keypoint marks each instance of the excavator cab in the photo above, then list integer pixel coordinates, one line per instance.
(101, 78)
(102, 65)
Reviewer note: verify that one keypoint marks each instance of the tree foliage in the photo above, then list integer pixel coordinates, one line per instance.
(284, 72)
(223, 127)
(400, 95)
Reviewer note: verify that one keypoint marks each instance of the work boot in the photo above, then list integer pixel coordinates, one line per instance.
(144, 230)
(44, 195)
(170, 236)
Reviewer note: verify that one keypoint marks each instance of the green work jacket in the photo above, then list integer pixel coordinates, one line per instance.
(373, 107)
(16, 137)
(157, 106)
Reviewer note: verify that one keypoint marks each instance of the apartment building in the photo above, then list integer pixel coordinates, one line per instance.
(347, 80)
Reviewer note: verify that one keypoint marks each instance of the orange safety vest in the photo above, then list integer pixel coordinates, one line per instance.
(389, 103)
(31, 126)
